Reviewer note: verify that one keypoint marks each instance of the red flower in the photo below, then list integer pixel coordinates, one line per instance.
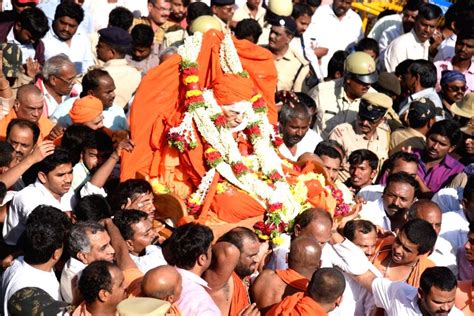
(193, 86)
(275, 207)
(259, 105)
(275, 176)
(220, 121)
(259, 225)
(190, 71)
(277, 141)
(239, 168)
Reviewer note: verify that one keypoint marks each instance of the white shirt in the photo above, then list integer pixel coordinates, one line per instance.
(429, 93)
(407, 46)
(371, 193)
(153, 258)
(449, 199)
(443, 255)
(50, 103)
(80, 175)
(384, 23)
(329, 31)
(27, 50)
(20, 275)
(100, 10)
(387, 36)
(374, 211)
(25, 202)
(137, 7)
(78, 51)
(243, 12)
(454, 228)
(307, 145)
(70, 278)
(399, 298)
(446, 48)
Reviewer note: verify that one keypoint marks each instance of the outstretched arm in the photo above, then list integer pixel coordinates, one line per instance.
(225, 257)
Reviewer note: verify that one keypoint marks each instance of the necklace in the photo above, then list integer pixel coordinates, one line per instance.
(407, 276)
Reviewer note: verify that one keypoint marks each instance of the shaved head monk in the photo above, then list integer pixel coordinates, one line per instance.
(323, 295)
(164, 283)
(271, 287)
(234, 257)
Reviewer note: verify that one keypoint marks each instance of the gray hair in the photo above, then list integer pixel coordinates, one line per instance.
(54, 65)
(295, 110)
(78, 240)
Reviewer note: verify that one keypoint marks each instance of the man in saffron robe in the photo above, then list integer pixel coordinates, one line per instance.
(324, 294)
(271, 287)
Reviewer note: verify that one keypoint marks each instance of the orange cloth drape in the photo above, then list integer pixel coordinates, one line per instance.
(158, 103)
(44, 124)
(293, 279)
(464, 297)
(297, 305)
(240, 298)
(415, 275)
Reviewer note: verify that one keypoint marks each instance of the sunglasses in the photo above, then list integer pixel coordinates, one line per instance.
(457, 88)
(369, 119)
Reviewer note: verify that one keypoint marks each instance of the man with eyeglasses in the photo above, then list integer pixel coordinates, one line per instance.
(453, 88)
(223, 10)
(365, 132)
(158, 15)
(338, 100)
(58, 78)
(463, 52)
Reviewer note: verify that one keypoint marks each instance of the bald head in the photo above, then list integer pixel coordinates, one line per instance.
(315, 223)
(429, 211)
(326, 287)
(305, 255)
(29, 103)
(163, 283)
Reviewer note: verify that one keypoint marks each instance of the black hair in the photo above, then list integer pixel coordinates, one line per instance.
(98, 140)
(197, 9)
(92, 207)
(91, 80)
(412, 5)
(359, 156)
(405, 156)
(248, 28)
(466, 31)
(125, 219)
(421, 233)
(301, 9)
(289, 112)
(367, 43)
(59, 157)
(121, 17)
(323, 149)
(128, 189)
(402, 177)
(24, 124)
(425, 70)
(40, 240)
(306, 100)
(469, 189)
(237, 235)
(429, 11)
(447, 128)
(402, 68)
(336, 63)
(142, 35)
(73, 138)
(6, 154)
(439, 277)
(71, 10)
(313, 3)
(354, 226)
(187, 243)
(94, 278)
(326, 285)
(34, 21)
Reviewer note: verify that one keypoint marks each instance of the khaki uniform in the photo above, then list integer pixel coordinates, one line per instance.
(292, 70)
(346, 135)
(126, 79)
(160, 32)
(333, 106)
(405, 137)
(244, 13)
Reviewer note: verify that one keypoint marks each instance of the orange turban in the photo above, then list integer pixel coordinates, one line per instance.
(86, 109)
(229, 89)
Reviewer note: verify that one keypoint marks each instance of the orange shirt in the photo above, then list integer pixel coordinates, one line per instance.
(297, 305)
(44, 124)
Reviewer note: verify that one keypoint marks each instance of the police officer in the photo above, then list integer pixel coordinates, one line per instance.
(367, 130)
(337, 100)
(276, 9)
(291, 67)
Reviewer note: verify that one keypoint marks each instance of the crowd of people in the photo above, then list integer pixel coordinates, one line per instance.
(226, 157)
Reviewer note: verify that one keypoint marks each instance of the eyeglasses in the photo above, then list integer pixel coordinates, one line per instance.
(369, 119)
(457, 88)
(69, 82)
